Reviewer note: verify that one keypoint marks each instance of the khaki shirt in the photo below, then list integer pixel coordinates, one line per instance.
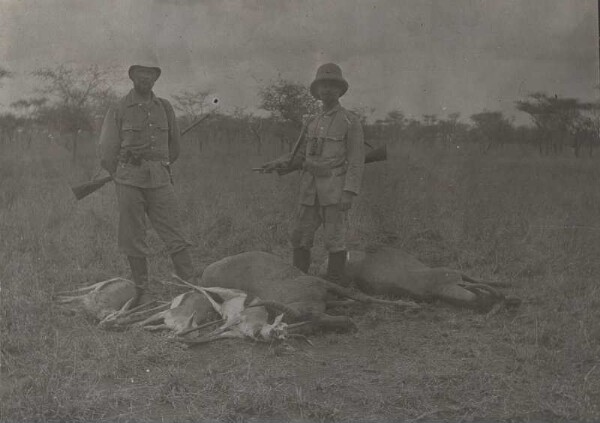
(333, 156)
(139, 140)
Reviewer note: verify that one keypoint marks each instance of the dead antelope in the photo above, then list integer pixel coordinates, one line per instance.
(393, 272)
(242, 318)
(104, 301)
(185, 312)
(281, 286)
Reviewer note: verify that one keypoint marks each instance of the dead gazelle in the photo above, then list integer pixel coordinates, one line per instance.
(242, 319)
(105, 301)
(185, 312)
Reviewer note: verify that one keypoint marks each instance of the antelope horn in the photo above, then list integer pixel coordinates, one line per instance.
(477, 281)
(298, 325)
(478, 288)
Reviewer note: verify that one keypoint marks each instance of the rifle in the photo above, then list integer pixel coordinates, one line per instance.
(378, 154)
(85, 189)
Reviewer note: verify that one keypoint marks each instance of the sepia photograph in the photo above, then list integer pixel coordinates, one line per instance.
(299, 211)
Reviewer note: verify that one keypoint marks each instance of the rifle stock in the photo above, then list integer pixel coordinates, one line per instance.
(378, 154)
(86, 189)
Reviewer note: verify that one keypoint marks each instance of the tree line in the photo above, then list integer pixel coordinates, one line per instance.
(70, 101)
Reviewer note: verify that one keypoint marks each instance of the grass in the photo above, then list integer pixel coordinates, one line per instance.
(505, 216)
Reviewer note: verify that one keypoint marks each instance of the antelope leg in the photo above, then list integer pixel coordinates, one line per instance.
(197, 328)
(154, 318)
(67, 300)
(92, 287)
(339, 303)
(140, 313)
(138, 308)
(205, 340)
(154, 328)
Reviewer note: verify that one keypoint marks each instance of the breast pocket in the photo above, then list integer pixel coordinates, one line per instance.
(131, 135)
(334, 146)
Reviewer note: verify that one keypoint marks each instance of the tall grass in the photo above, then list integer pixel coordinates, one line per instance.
(504, 216)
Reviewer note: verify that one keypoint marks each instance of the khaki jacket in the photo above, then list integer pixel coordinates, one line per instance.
(139, 140)
(332, 156)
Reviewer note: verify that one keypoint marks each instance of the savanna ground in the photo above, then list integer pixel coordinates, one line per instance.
(506, 215)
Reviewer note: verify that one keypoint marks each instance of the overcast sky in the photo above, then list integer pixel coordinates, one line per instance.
(419, 56)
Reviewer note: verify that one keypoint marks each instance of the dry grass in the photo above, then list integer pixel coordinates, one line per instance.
(509, 216)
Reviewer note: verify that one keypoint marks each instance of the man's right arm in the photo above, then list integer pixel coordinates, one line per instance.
(110, 143)
(282, 163)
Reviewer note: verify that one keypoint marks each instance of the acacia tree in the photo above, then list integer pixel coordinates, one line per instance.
(392, 125)
(8, 121)
(450, 130)
(288, 101)
(192, 103)
(492, 129)
(75, 97)
(556, 118)
(5, 73)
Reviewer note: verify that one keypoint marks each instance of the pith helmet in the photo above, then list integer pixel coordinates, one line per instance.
(329, 72)
(150, 63)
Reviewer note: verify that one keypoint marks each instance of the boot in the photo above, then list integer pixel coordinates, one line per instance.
(301, 259)
(139, 275)
(336, 267)
(182, 262)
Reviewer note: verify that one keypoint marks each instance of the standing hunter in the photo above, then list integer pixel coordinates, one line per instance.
(331, 157)
(138, 143)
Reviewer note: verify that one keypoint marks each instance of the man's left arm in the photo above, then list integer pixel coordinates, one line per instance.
(174, 135)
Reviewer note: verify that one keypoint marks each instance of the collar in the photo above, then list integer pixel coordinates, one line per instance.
(133, 98)
(333, 110)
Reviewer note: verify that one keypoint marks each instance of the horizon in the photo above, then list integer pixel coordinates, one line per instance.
(419, 57)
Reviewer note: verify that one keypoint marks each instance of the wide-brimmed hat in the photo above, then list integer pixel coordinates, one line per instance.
(146, 65)
(328, 72)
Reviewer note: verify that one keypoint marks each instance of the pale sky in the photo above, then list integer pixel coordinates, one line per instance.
(419, 56)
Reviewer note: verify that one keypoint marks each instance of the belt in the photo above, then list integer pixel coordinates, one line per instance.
(325, 171)
(137, 159)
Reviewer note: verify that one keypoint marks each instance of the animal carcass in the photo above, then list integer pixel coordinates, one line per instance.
(187, 311)
(278, 284)
(104, 301)
(242, 318)
(392, 272)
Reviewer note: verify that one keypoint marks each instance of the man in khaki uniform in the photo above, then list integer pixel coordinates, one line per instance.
(332, 159)
(138, 143)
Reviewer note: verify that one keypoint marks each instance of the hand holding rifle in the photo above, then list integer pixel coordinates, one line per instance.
(285, 164)
(85, 189)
